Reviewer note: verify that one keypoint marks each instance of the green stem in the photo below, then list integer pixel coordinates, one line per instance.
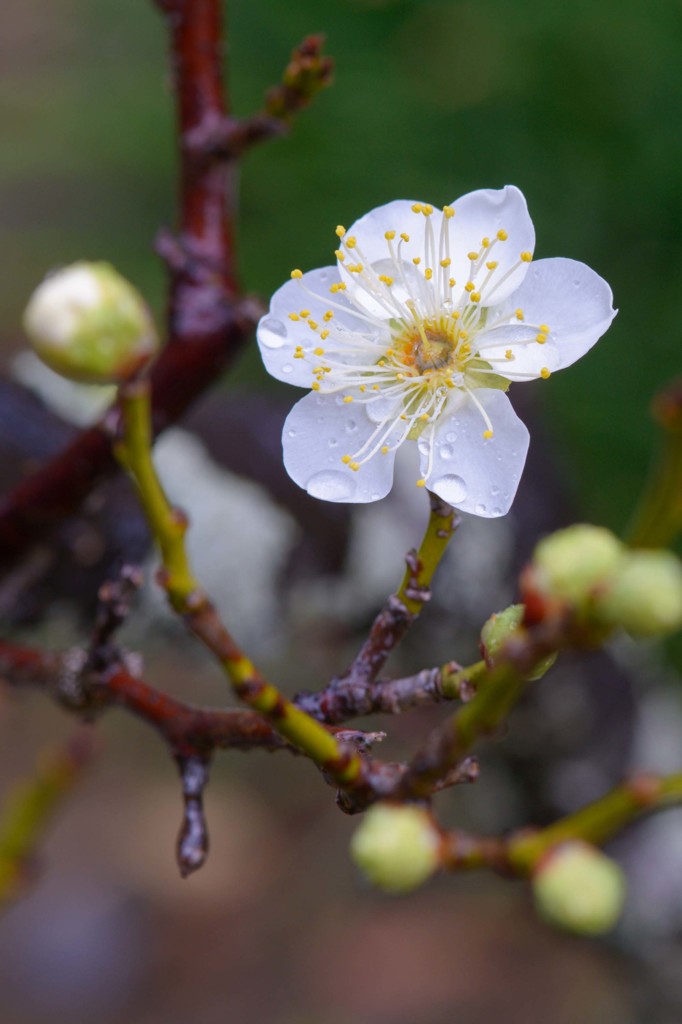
(443, 521)
(597, 822)
(168, 528)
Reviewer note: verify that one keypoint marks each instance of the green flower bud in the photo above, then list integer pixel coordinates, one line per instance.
(396, 846)
(569, 564)
(90, 325)
(499, 627)
(645, 594)
(579, 888)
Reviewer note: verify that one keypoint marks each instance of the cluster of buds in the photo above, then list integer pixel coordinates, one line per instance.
(89, 324)
(586, 570)
(397, 846)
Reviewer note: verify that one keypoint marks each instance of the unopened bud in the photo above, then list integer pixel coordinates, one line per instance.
(396, 846)
(645, 594)
(571, 563)
(90, 325)
(497, 631)
(579, 888)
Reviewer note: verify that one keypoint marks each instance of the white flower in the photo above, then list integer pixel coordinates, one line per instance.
(416, 334)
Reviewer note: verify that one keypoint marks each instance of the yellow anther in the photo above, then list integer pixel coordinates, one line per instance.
(299, 355)
(416, 207)
(502, 235)
(544, 373)
(375, 387)
(487, 434)
(388, 281)
(449, 381)
(390, 352)
(294, 316)
(427, 210)
(449, 212)
(519, 314)
(340, 287)
(416, 260)
(475, 296)
(340, 230)
(312, 324)
(485, 242)
(421, 483)
(385, 449)
(348, 399)
(381, 362)
(400, 376)
(491, 264)
(363, 387)
(541, 338)
(324, 335)
(404, 235)
(526, 257)
(305, 313)
(428, 273)
(544, 328)
(425, 417)
(455, 314)
(403, 416)
(296, 274)
(509, 354)
(318, 351)
(469, 286)
(463, 335)
(473, 256)
(389, 236)
(346, 459)
(351, 242)
(328, 316)
(355, 466)
(315, 385)
(446, 262)
(451, 282)
(355, 268)
(339, 255)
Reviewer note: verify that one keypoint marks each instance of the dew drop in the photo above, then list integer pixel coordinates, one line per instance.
(451, 436)
(287, 368)
(481, 509)
(272, 333)
(497, 511)
(450, 488)
(331, 485)
(351, 426)
(374, 496)
(446, 451)
(495, 491)
(291, 433)
(332, 442)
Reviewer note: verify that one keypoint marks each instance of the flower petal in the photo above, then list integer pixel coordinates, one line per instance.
(278, 335)
(574, 301)
(471, 472)
(482, 214)
(318, 432)
(528, 356)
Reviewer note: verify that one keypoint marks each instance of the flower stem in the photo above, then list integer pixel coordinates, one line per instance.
(413, 592)
(185, 595)
(598, 821)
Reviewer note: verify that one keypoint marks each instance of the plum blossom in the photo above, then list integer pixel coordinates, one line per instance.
(415, 335)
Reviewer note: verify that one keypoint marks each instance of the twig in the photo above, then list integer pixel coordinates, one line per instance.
(192, 845)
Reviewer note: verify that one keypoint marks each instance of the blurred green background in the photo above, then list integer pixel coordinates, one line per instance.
(578, 104)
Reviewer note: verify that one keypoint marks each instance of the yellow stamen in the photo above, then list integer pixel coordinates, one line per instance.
(544, 373)
(340, 230)
(348, 398)
(487, 434)
(297, 274)
(294, 316)
(449, 212)
(389, 236)
(502, 235)
(526, 257)
(421, 483)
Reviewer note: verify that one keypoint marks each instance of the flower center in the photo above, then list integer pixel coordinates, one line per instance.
(433, 351)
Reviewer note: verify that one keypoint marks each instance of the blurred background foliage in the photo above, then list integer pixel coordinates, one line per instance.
(578, 104)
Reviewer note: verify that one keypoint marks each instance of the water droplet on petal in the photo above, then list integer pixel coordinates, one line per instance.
(497, 511)
(287, 368)
(451, 436)
(481, 509)
(374, 496)
(332, 442)
(291, 433)
(450, 488)
(272, 333)
(494, 491)
(446, 451)
(351, 426)
(331, 485)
